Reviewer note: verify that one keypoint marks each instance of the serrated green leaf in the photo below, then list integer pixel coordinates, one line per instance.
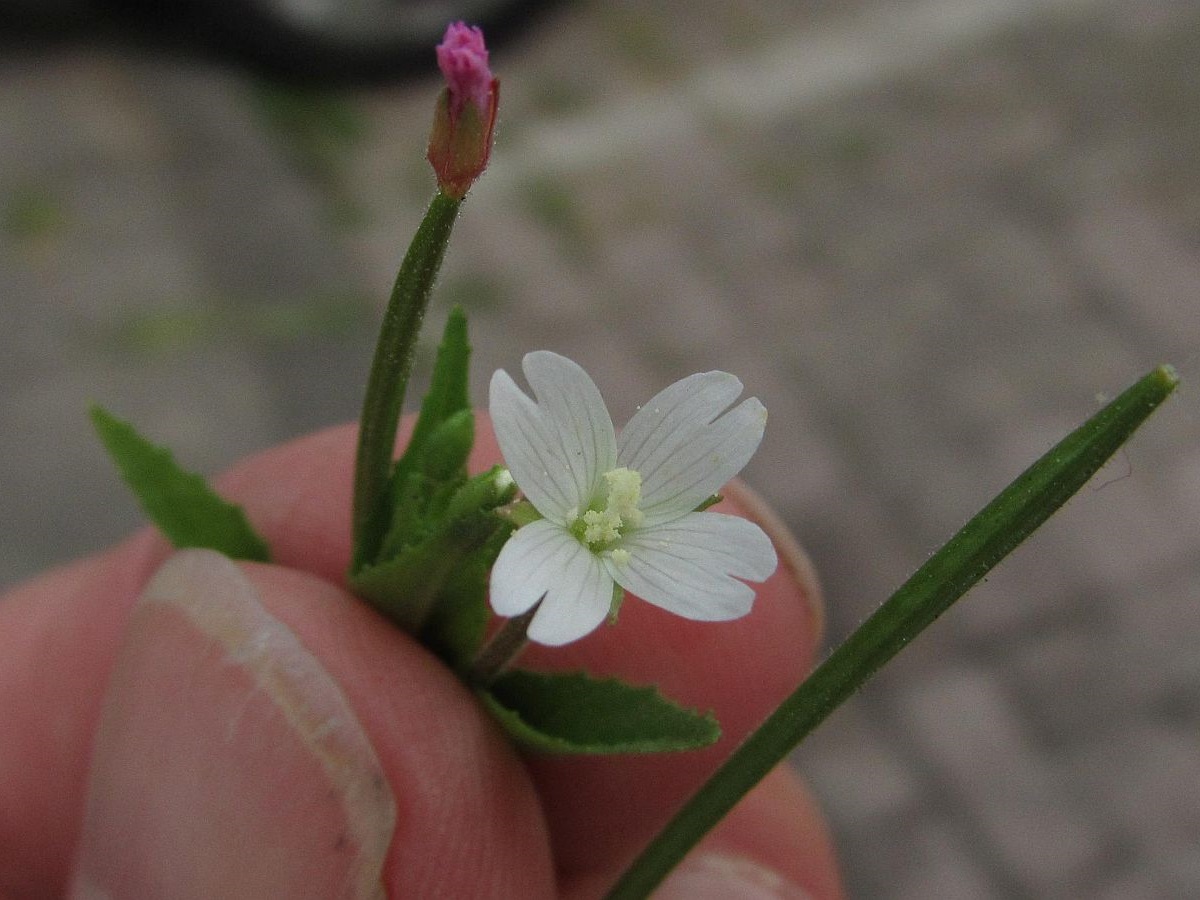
(447, 388)
(448, 446)
(433, 465)
(411, 495)
(458, 620)
(405, 586)
(575, 713)
(180, 503)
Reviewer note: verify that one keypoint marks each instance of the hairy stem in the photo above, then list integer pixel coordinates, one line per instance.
(388, 380)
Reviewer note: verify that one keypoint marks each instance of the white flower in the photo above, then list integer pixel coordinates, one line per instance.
(623, 510)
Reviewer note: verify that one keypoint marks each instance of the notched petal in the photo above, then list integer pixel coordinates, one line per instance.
(700, 466)
(568, 397)
(531, 449)
(683, 445)
(542, 561)
(559, 443)
(665, 423)
(692, 566)
(529, 563)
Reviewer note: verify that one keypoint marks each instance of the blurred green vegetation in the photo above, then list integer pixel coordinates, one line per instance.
(552, 204)
(170, 330)
(31, 211)
(319, 131)
(473, 291)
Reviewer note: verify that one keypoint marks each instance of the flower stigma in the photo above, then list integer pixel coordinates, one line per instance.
(602, 525)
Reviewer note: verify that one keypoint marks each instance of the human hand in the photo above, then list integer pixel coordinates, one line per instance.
(255, 731)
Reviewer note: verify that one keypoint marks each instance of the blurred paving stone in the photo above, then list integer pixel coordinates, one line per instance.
(923, 855)
(794, 466)
(966, 726)
(1063, 676)
(939, 864)
(862, 561)
(126, 290)
(1040, 586)
(208, 410)
(1137, 885)
(1186, 477)
(1152, 628)
(857, 769)
(1147, 273)
(1119, 527)
(1147, 778)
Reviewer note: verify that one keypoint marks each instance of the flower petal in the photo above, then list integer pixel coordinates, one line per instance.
(665, 423)
(542, 561)
(570, 398)
(690, 566)
(559, 447)
(691, 463)
(527, 441)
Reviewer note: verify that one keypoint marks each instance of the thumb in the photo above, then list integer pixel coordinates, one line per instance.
(264, 735)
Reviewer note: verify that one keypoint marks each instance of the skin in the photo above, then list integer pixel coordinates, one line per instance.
(546, 825)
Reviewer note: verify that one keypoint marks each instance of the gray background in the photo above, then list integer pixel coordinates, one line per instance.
(929, 234)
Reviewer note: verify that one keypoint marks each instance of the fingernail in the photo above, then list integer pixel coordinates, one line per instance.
(719, 876)
(228, 762)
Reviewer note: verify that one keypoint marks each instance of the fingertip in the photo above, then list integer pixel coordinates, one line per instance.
(265, 734)
(297, 495)
(796, 575)
(719, 876)
(468, 819)
(780, 828)
(227, 761)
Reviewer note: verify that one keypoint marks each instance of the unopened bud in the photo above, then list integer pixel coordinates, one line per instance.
(461, 140)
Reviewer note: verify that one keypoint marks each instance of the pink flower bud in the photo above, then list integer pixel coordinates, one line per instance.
(463, 59)
(461, 141)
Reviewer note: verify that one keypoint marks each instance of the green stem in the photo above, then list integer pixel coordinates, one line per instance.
(501, 650)
(390, 370)
(1003, 524)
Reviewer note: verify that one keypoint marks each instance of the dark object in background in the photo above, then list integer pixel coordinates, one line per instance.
(315, 41)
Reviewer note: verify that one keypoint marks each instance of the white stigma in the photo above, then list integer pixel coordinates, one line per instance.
(620, 510)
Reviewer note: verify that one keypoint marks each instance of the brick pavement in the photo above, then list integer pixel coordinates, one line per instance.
(927, 244)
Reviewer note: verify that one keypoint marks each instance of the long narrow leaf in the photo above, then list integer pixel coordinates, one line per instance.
(985, 540)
